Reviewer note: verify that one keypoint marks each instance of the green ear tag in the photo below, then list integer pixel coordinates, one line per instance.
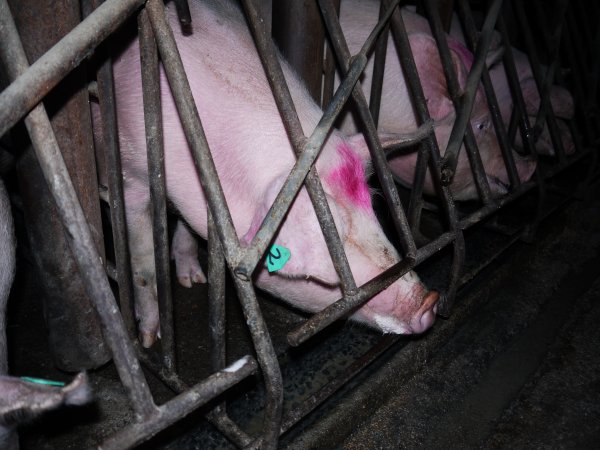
(42, 381)
(277, 257)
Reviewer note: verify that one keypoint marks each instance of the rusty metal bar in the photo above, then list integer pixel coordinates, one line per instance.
(78, 232)
(477, 169)
(299, 34)
(116, 202)
(378, 69)
(450, 159)
(156, 181)
(181, 406)
(32, 85)
(329, 69)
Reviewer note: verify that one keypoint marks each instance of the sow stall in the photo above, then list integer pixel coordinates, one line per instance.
(422, 227)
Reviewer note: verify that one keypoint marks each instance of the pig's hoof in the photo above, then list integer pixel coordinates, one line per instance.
(147, 338)
(189, 271)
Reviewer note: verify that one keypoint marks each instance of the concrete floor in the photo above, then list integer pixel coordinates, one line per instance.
(515, 366)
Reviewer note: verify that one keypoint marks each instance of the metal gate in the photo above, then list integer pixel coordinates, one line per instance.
(572, 42)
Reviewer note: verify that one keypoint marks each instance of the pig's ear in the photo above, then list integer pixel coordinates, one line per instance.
(562, 102)
(299, 238)
(433, 80)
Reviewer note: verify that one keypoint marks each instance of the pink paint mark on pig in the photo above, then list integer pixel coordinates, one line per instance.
(349, 180)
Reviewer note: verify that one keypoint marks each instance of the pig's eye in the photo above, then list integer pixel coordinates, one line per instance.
(482, 125)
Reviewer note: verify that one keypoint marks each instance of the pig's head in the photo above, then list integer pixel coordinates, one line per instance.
(309, 279)
(441, 109)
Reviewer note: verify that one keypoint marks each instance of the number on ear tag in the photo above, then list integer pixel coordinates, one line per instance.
(277, 257)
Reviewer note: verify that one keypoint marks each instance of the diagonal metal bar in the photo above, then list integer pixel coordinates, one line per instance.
(477, 169)
(33, 84)
(76, 227)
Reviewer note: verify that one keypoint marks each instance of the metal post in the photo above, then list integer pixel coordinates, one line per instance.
(74, 330)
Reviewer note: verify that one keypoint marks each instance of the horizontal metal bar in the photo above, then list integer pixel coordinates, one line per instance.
(182, 405)
(32, 85)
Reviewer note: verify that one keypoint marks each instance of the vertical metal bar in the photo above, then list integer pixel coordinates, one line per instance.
(158, 191)
(110, 151)
(78, 232)
(378, 69)
(299, 34)
(329, 69)
(477, 169)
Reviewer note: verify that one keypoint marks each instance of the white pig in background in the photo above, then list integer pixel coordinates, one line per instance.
(253, 157)
(7, 269)
(357, 19)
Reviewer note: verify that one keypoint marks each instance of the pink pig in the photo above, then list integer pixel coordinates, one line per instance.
(560, 99)
(396, 114)
(253, 156)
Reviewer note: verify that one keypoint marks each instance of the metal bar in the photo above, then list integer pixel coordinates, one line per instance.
(183, 13)
(181, 406)
(501, 133)
(156, 181)
(378, 69)
(477, 169)
(77, 229)
(116, 202)
(32, 85)
(450, 159)
(299, 34)
(267, 359)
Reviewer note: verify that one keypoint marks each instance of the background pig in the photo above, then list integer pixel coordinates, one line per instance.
(253, 156)
(21, 401)
(7, 269)
(396, 114)
(560, 99)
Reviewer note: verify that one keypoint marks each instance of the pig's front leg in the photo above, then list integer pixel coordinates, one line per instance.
(184, 251)
(141, 248)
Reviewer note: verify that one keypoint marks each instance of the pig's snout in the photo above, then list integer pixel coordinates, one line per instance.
(400, 320)
(425, 317)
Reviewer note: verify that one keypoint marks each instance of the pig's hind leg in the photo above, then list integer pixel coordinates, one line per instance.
(184, 251)
(141, 248)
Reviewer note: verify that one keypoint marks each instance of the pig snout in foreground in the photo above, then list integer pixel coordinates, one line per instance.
(396, 112)
(22, 401)
(253, 157)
